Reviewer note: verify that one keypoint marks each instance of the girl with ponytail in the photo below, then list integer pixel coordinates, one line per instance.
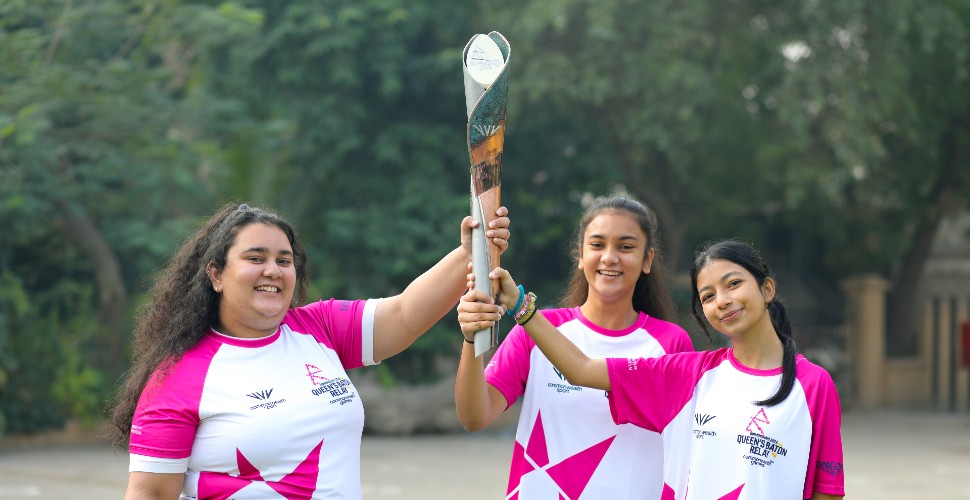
(752, 421)
(616, 304)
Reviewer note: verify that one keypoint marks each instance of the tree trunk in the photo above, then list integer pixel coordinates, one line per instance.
(112, 296)
(902, 327)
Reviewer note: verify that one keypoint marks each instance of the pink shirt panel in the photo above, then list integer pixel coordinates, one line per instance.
(825, 466)
(334, 323)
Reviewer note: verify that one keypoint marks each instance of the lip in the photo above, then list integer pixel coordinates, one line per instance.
(602, 271)
(731, 316)
(278, 289)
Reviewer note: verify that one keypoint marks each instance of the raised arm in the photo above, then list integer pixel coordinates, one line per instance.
(578, 368)
(401, 319)
(478, 403)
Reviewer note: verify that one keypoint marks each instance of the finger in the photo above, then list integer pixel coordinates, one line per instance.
(502, 233)
(469, 222)
(500, 222)
(502, 211)
(474, 326)
(473, 298)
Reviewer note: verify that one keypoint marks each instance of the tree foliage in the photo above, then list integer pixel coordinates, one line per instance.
(834, 135)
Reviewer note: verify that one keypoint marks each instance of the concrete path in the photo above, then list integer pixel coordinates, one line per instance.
(888, 456)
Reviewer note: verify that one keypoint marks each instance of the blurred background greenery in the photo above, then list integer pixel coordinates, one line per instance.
(835, 135)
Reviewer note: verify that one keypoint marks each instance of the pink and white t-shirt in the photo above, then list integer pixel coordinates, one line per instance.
(275, 417)
(567, 445)
(721, 446)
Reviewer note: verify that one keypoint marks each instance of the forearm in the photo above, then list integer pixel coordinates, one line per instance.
(472, 395)
(577, 367)
(403, 318)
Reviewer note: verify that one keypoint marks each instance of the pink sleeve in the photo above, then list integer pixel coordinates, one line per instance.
(337, 324)
(650, 392)
(825, 468)
(509, 368)
(167, 414)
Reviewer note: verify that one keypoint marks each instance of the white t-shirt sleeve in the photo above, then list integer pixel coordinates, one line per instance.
(143, 463)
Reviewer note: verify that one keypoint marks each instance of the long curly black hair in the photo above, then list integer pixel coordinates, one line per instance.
(182, 305)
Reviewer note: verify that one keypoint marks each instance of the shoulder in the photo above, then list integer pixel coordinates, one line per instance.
(326, 311)
(670, 335)
(812, 376)
(558, 316)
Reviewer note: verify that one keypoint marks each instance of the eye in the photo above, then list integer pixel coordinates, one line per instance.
(705, 298)
(734, 283)
(595, 244)
(255, 259)
(284, 262)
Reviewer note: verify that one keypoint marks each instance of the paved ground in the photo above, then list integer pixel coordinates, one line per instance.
(888, 456)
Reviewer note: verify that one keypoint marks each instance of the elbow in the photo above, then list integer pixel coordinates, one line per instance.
(471, 424)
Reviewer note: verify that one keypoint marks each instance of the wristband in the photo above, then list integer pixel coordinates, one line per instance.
(512, 311)
(468, 341)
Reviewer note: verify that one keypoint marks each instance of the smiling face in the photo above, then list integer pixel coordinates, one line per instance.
(256, 286)
(733, 301)
(613, 255)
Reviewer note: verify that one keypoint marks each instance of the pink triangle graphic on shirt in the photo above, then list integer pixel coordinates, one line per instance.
(573, 474)
(734, 495)
(297, 485)
(537, 449)
(520, 467)
(668, 493)
(302, 482)
(246, 469)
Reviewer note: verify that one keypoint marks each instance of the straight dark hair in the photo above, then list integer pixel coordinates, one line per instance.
(748, 257)
(650, 295)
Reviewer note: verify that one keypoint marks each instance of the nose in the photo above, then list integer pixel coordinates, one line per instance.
(273, 270)
(609, 256)
(723, 300)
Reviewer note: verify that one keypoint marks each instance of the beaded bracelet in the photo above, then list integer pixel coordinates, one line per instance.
(527, 318)
(528, 310)
(512, 311)
(525, 307)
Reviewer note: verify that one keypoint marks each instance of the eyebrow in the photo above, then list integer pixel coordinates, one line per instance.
(622, 238)
(726, 276)
(265, 250)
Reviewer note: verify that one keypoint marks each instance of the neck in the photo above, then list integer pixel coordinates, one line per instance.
(761, 350)
(615, 316)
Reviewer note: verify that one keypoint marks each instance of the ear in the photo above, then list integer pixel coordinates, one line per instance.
(648, 260)
(768, 290)
(579, 263)
(215, 276)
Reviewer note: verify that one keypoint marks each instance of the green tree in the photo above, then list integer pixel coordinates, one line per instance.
(830, 132)
(99, 175)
